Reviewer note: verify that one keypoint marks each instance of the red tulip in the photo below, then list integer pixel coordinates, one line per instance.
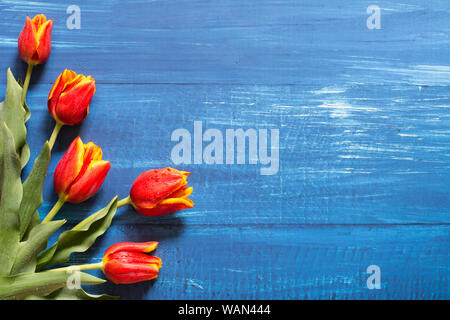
(81, 172)
(161, 191)
(70, 97)
(35, 40)
(126, 262)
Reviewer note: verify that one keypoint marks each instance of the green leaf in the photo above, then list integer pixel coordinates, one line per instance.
(40, 284)
(32, 189)
(25, 106)
(24, 154)
(78, 239)
(10, 198)
(72, 294)
(34, 221)
(28, 250)
(27, 112)
(15, 114)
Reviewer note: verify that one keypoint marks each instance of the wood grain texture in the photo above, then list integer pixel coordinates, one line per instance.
(364, 139)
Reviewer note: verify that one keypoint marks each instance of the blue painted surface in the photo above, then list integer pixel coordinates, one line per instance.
(364, 139)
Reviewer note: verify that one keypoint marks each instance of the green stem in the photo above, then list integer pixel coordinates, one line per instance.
(54, 135)
(123, 202)
(54, 210)
(90, 266)
(26, 83)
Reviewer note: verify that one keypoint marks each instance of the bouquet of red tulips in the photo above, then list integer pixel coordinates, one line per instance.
(27, 262)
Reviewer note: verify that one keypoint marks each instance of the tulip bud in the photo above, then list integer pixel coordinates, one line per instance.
(81, 172)
(161, 191)
(35, 40)
(126, 262)
(70, 97)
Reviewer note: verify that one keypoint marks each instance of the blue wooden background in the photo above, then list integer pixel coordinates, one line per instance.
(364, 126)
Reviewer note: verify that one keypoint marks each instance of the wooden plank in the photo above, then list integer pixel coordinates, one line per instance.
(256, 42)
(301, 262)
(348, 157)
(364, 139)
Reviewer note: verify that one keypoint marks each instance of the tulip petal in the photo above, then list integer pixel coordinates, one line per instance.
(63, 78)
(88, 183)
(28, 42)
(73, 105)
(153, 186)
(132, 257)
(127, 273)
(182, 193)
(38, 21)
(126, 262)
(132, 247)
(53, 97)
(81, 172)
(184, 173)
(72, 82)
(92, 153)
(45, 38)
(167, 206)
(69, 167)
(69, 99)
